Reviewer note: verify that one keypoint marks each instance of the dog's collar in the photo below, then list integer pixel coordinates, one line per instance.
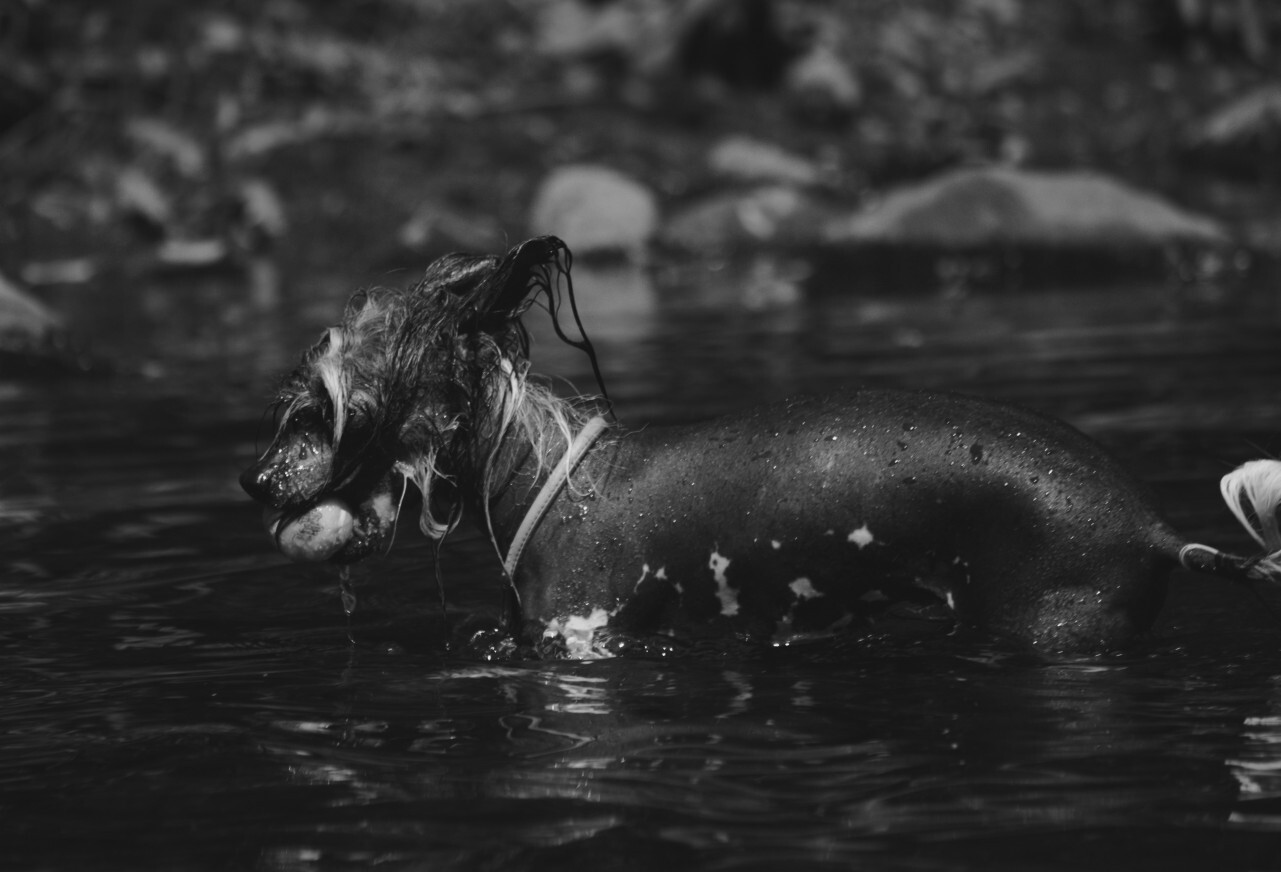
(551, 489)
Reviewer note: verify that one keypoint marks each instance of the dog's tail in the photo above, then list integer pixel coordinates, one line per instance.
(1253, 493)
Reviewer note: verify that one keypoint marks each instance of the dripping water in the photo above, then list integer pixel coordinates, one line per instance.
(348, 592)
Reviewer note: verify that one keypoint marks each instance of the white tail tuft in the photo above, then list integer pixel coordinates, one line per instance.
(1253, 493)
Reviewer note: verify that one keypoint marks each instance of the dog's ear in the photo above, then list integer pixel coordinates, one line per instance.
(524, 272)
(464, 276)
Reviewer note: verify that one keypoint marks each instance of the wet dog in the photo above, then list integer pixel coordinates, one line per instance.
(798, 518)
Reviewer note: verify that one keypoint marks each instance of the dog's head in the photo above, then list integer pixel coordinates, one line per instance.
(399, 391)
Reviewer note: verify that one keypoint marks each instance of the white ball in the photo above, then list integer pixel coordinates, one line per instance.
(318, 534)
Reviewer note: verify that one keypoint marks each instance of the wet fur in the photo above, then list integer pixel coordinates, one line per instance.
(420, 380)
(431, 385)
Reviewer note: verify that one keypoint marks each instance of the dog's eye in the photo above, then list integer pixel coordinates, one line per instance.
(358, 417)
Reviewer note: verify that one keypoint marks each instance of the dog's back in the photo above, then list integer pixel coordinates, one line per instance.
(816, 512)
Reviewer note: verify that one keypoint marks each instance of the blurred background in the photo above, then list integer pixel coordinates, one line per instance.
(173, 177)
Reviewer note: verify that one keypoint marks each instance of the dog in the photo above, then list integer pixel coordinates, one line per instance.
(782, 522)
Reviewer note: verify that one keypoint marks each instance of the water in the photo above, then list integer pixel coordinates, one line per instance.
(177, 696)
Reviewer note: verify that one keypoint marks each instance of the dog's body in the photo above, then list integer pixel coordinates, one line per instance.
(796, 518)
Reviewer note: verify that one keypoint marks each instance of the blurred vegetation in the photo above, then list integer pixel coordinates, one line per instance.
(348, 137)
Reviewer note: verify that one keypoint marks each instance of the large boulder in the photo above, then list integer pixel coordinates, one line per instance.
(597, 210)
(968, 208)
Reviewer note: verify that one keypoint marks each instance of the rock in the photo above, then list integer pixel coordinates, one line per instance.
(637, 36)
(192, 254)
(822, 85)
(175, 146)
(771, 215)
(596, 210)
(23, 315)
(1000, 206)
(1243, 135)
(569, 28)
(66, 271)
(750, 160)
(33, 343)
(260, 208)
(140, 196)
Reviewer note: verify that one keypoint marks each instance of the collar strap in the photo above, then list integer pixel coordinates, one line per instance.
(551, 489)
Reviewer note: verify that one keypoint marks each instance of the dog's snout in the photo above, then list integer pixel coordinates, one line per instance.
(296, 469)
(256, 481)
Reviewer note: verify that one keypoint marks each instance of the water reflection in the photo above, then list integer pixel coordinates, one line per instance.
(178, 695)
(703, 758)
(1257, 768)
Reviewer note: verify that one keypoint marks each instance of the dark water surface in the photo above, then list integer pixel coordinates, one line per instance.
(175, 695)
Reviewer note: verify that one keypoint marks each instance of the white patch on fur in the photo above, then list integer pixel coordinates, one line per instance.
(727, 595)
(804, 589)
(862, 537)
(423, 473)
(1258, 484)
(775, 544)
(333, 375)
(579, 634)
(874, 596)
(386, 508)
(784, 632)
(662, 573)
(641, 580)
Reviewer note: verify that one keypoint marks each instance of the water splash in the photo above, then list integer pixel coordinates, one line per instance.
(347, 590)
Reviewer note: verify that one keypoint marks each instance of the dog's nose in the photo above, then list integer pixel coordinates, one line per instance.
(256, 481)
(295, 469)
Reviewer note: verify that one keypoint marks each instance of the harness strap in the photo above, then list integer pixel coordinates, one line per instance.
(551, 489)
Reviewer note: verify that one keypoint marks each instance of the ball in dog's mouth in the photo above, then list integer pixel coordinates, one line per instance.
(316, 535)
